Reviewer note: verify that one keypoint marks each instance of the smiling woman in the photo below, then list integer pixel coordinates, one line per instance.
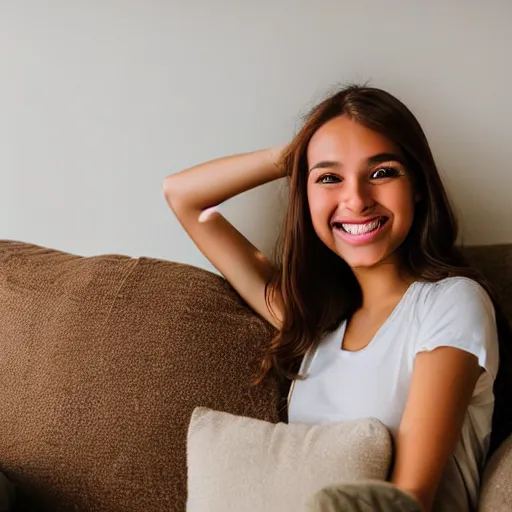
(377, 313)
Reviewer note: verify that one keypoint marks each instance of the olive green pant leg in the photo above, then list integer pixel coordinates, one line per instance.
(369, 496)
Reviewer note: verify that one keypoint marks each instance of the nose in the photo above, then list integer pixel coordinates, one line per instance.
(357, 196)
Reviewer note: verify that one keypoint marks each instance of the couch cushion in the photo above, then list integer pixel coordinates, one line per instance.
(242, 464)
(102, 361)
(496, 490)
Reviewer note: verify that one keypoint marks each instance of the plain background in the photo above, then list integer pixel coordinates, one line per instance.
(100, 100)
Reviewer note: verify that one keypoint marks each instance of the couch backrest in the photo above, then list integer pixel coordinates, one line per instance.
(102, 361)
(495, 263)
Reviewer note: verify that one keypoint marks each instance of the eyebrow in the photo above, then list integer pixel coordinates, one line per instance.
(372, 160)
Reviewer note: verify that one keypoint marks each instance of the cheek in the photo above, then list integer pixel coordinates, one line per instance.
(319, 208)
(403, 207)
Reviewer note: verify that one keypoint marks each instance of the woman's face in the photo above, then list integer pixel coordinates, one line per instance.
(359, 192)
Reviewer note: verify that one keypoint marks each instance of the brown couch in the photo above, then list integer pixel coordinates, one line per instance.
(103, 359)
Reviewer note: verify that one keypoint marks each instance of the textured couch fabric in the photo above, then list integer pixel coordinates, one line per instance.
(495, 263)
(103, 359)
(496, 490)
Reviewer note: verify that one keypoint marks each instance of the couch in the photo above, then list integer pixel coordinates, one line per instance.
(104, 358)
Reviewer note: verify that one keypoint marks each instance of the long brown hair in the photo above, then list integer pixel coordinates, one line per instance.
(317, 287)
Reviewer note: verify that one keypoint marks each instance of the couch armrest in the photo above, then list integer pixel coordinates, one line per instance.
(496, 490)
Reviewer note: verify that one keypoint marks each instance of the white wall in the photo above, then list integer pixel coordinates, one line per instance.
(99, 100)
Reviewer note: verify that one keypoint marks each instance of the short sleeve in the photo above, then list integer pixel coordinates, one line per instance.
(459, 313)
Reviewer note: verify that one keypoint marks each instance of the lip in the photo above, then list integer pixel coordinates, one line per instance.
(361, 239)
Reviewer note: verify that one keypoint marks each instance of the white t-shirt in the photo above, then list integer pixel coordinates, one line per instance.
(374, 381)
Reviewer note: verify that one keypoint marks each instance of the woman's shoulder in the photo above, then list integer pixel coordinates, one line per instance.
(458, 312)
(459, 293)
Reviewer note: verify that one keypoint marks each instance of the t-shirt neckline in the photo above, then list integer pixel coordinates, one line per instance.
(337, 336)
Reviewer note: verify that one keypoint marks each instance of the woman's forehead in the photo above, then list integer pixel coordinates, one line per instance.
(343, 139)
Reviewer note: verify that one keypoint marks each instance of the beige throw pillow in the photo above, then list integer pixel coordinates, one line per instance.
(242, 464)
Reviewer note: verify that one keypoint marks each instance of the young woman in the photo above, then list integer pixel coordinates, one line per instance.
(369, 294)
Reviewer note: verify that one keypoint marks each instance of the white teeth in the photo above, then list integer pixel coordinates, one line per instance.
(359, 229)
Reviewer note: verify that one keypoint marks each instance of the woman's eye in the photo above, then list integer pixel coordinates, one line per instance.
(328, 178)
(385, 172)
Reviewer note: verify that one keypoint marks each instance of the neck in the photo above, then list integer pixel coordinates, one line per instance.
(381, 284)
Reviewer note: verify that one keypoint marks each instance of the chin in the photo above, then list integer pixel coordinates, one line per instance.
(363, 264)
(364, 258)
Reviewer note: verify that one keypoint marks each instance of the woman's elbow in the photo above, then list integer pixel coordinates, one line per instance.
(171, 191)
